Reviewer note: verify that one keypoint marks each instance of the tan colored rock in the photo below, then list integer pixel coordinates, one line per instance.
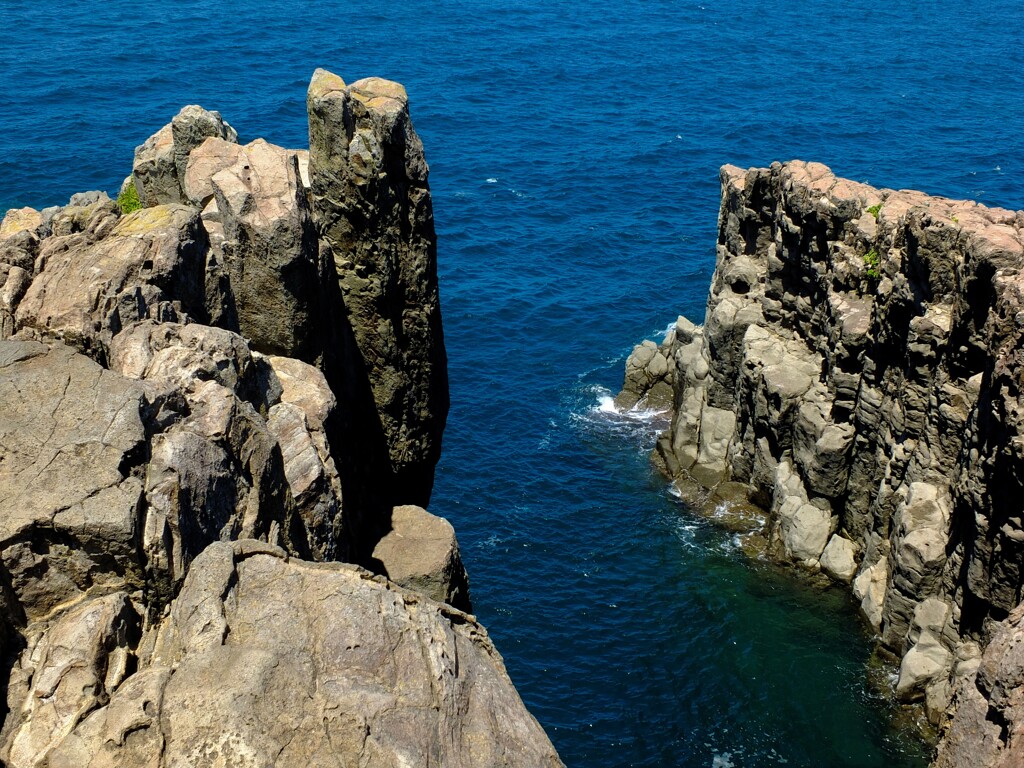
(181, 355)
(19, 220)
(160, 163)
(317, 665)
(269, 253)
(420, 553)
(305, 386)
(151, 263)
(717, 427)
(76, 665)
(918, 557)
(838, 559)
(312, 479)
(206, 161)
(71, 442)
(869, 588)
(12, 288)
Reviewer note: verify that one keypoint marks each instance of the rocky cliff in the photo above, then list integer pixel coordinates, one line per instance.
(214, 391)
(857, 382)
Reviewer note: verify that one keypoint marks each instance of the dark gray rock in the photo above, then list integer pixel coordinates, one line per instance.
(862, 347)
(372, 207)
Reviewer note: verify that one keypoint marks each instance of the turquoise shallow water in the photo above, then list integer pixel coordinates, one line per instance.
(574, 154)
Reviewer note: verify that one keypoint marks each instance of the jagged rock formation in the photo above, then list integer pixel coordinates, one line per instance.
(857, 374)
(373, 208)
(267, 661)
(200, 416)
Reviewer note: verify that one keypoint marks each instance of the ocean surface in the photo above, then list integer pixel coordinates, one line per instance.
(574, 153)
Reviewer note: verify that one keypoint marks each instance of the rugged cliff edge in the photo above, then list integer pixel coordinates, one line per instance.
(207, 404)
(854, 401)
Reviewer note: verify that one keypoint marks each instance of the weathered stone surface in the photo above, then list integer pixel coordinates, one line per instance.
(869, 588)
(372, 207)
(839, 559)
(160, 163)
(15, 282)
(18, 220)
(150, 264)
(74, 667)
(277, 662)
(156, 178)
(420, 553)
(72, 441)
(987, 730)
(185, 355)
(649, 376)
(868, 343)
(269, 252)
(803, 528)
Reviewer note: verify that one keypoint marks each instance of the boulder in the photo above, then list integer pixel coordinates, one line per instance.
(420, 553)
(161, 162)
(838, 559)
(802, 528)
(649, 376)
(18, 220)
(269, 252)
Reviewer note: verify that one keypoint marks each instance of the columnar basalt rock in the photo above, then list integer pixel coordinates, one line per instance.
(182, 468)
(372, 207)
(858, 370)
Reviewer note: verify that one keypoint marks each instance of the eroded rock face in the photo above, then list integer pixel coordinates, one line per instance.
(987, 729)
(190, 375)
(269, 661)
(72, 443)
(858, 370)
(148, 264)
(372, 207)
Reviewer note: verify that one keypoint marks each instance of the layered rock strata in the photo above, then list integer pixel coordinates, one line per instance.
(200, 419)
(857, 376)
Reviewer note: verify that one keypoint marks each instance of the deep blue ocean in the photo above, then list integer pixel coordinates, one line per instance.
(574, 152)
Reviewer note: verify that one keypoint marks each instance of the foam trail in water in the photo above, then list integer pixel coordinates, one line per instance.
(606, 405)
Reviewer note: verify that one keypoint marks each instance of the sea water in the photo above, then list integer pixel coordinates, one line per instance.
(574, 152)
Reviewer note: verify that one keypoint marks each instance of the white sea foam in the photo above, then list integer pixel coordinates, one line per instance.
(606, 405)
(723, 760)
(663, 332)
